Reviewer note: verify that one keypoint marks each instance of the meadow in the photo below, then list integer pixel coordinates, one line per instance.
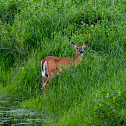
(93, 93)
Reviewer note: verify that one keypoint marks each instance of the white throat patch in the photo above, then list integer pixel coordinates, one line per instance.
(81, 54)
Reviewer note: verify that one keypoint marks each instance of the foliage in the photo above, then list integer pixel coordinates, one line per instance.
(91, 94)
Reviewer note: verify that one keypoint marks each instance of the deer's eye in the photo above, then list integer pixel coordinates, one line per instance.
(77, 48)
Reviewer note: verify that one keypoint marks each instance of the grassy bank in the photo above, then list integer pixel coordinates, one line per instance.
(91, 94)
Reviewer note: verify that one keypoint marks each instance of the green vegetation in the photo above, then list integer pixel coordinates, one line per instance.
(94, 93)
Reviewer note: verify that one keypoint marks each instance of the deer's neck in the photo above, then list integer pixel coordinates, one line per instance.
(77, 59)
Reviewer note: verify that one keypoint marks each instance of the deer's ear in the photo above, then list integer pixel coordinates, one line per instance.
(85, 44)
(73, 45)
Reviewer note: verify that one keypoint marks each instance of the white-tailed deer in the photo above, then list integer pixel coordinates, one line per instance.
(51, 64)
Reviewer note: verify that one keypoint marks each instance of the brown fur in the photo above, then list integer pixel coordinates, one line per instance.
(57, 64)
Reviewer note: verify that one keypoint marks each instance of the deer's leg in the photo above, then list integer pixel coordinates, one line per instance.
(45, 81)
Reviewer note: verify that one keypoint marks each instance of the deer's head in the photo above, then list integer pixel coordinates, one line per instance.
(79, 49)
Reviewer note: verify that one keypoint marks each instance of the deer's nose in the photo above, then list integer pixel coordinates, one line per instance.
(81, 50)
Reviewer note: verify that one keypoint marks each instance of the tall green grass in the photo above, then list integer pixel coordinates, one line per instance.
(91, 94)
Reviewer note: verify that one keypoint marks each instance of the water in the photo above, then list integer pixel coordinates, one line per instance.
(12, 114)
